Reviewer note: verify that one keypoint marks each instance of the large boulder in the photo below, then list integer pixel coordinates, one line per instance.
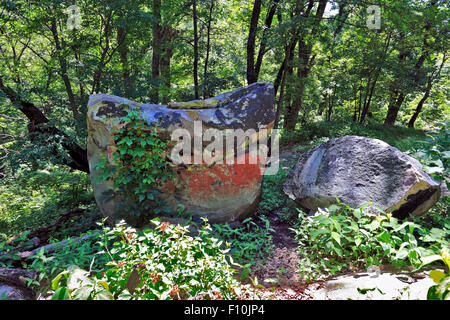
(358, 170)
(219, 191)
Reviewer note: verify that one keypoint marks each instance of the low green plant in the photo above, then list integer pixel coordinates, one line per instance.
(434, 153)
(80, 253)
(47, 265)
(79, 285)
(288, 214)
(138, 168)
(272, 196)
(340, 237)
(247, 243)
(9, 251)
(31, 199)
(441, 290)
(161, 263)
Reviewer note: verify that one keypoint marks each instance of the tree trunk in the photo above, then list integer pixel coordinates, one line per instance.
(251, 72)
(282, 73)
(194, 14)
(156, 55)
(372, 88)
(305, 64)
(168, 35)
(123, 53)
(365, 104)
(330, 104)
(426, 95)
(208, 47)
(393, 108)
(38, 122)
(262, 47)
(63, 69)
(355, 107)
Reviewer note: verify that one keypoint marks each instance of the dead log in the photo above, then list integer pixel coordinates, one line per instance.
(49, 248)
(43, 233)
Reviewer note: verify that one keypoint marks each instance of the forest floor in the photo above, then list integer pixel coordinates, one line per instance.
(280, 278)
(279, 275)
(49, 193)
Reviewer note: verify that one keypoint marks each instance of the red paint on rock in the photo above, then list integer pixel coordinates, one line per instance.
(220, 181)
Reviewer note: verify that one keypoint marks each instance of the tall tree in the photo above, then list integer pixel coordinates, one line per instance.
(305, 63)
(208, 46)
(251, 72)
(435, 74)
(156, 49)
(194, 18)
(252, 68)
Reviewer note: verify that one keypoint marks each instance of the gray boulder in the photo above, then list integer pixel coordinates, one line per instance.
(220, 191)
(358, 170)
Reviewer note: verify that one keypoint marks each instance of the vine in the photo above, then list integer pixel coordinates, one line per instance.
(140, 168)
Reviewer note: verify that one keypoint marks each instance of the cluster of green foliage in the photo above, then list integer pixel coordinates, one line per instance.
(441, 290)
(434, 153)
(247, 243)
(139, 168)
(80, 253)
(48, 265)
(32, 199)
(335, 67)
(161, 263)
(340, 237)
(272, 196)
(317, 132)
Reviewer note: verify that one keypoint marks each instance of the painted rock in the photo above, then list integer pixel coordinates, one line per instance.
(358, 170)
(221, 191)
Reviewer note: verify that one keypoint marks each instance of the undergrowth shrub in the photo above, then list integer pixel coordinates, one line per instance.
(340, 237)
(138, 168)
(161, 263)
(441, 289)
(32, 199)
(247, 243)
(399, 137)
(272, 196)
(434, 153)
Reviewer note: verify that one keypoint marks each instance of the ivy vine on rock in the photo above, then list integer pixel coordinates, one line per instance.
(138, 169)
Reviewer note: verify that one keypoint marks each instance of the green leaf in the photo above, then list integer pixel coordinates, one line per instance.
(385, 237)
(437, 275)
(61, 294)
(83, 293)
(401, 254)
(336, 237)
(430, 259)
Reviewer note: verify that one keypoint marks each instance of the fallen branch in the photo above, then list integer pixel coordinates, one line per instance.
(17, 257)
(43, 233)
(38, 239)
(49, 248)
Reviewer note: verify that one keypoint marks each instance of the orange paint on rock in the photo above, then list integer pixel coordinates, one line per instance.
(222, 180)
